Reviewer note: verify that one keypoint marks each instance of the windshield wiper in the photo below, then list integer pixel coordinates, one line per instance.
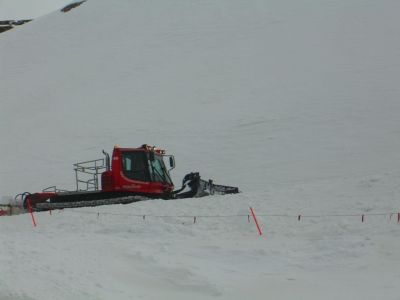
(158, 173)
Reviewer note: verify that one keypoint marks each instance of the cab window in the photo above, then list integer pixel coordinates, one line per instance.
(134, 166)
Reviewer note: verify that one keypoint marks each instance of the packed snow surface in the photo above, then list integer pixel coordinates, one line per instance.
(296, 102)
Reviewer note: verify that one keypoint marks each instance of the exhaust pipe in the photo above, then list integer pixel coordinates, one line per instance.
(108, 165)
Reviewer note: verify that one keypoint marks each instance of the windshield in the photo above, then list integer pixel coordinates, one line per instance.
(158, 170)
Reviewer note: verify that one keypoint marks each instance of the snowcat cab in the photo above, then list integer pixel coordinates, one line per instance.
(138, 170)
(131, 174)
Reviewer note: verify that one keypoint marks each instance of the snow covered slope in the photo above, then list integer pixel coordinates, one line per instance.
(80, 254)
(277, 92)
(295, 102)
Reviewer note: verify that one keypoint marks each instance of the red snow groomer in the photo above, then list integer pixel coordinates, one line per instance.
(132, 174)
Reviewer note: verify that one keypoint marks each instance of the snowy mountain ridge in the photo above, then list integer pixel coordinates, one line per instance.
(27, 9)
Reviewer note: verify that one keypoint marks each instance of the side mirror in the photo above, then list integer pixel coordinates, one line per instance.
(172, 162)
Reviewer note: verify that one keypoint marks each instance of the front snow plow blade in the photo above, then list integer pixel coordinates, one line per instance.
(200, 188)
